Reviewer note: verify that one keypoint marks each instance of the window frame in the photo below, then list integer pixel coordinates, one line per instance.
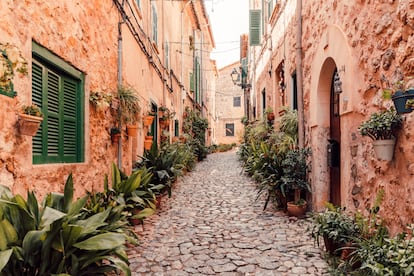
(48, 61)
(236, 101)
(227, 126)
(154, 24)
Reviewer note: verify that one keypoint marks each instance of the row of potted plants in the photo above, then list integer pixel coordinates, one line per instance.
(86, 236)
(272, 157)
(361, 245)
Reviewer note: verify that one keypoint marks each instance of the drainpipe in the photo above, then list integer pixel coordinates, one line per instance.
(119, 84)
(299, 74)
(182, 97)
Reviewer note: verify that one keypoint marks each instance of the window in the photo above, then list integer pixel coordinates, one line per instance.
(167, 55)
(191, 76)
(138, 3)
(176, 128)
(197, 81)
(57, 88)
(236, 101)
(229, 129)
(154, 24)
(254, 27)
(294, 91)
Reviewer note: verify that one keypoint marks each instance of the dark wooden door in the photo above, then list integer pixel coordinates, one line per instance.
(335, 141)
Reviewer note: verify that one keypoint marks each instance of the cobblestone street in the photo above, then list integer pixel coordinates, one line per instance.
(213, 225)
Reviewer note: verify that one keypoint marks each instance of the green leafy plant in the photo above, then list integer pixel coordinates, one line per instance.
(166, 113)
(381, 125)
(100, 100)
(32, 110)
(335, 226)
(58, 237)
(128, 105)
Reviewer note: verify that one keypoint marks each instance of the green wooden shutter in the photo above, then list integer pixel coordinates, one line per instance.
(197, 82)
(176, 128)
(70, 129)
(52, 116)
(37, 88)
(254, 27)
(192, 82)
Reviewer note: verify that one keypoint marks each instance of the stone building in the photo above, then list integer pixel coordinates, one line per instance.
(58, 53)
(337, 54)
(229, 107)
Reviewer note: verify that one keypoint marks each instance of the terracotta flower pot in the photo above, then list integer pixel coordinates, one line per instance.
(296, 210)
(164, 123)
(115, 138)
(147, 120)
(28, 125)
(270, 116)
(147, 144)
(132, 130)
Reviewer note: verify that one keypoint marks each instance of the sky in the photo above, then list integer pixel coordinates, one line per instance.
(229, 19)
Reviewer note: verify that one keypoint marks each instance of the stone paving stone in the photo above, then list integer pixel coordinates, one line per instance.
(213, 224)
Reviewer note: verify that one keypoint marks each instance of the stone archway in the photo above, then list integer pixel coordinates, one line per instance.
(332, 55)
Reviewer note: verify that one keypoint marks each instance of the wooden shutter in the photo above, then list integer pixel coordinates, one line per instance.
(70, 129)
(192, 82)
(254, 27)
(37, 83)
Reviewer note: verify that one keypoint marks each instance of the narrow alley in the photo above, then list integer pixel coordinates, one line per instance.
(212, 224)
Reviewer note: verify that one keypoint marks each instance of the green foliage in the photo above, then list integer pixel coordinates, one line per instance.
(128, 104)
(335, 224)
(381, 125)
(195, 127)
(221, 147)
(32, 110)
(58, 237)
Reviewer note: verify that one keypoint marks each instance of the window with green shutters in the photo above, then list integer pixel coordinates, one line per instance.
(60, 137)
(176, 128)
(154, 24)
(254, 27)
(191, 76)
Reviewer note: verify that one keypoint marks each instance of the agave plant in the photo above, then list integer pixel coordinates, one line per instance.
(58, 237)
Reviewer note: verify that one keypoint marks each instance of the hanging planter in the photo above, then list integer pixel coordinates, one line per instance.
(147, 120)
(28, 124)
(30, 120)
(132, 130)
(115, 135)
(400, 101)
(165, 123)
(384, 149)
(382, 128)
(148, 142)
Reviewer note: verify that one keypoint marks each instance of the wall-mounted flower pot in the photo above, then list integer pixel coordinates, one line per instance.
(148, 142)
(400, 98)
(28, 125)
(115, 138)
(164, 123)
(270, 116)
(384, 149)
(132, 130)
(147, 120)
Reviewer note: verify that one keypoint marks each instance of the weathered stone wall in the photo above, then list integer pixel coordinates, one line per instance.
(363, 40)
(84, 34)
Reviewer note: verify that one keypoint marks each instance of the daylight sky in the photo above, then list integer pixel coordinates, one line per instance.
(229, 19)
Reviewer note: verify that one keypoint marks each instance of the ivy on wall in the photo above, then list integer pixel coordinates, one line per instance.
(11, 62)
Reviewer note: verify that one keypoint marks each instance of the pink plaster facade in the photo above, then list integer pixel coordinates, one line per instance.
(363, 41)
(85, 36)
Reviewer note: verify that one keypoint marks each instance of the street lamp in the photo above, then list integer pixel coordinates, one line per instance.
(235, 77)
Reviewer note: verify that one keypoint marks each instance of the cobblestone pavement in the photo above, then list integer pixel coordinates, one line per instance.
(212, 224)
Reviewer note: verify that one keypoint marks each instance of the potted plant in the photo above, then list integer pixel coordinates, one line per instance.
(148, 119)
(100, 100)
(115, 134)
(335, 227)
(270, 115)
(129, 109)
(400, 92)
(30, 119)
(382, 127)
(148, 141)
(165, 115)
(294, 180)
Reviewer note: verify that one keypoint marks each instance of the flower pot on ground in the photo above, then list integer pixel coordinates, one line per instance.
(400, 99)
(297, 209)
(30, 120)
(382, 126)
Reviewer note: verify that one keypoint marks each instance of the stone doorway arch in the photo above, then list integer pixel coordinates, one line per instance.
(332, 54)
